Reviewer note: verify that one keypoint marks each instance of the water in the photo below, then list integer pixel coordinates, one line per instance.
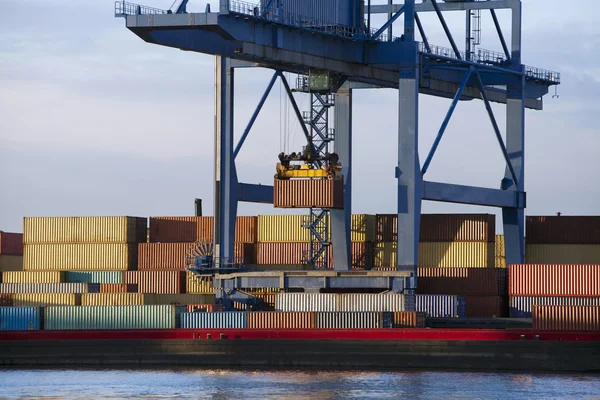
(237, 384)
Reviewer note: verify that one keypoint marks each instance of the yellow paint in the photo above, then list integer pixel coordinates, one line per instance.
(441, 254)
(288, 228)
(33, 277)
(112, 299)
(562, 254)
(46, 299)
(196, 285)
(80, 257)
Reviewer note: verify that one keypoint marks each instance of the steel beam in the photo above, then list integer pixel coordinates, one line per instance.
(422, 33)
(341, 220)
(225, 190)
(446, 29)
(252, 193)
(447, 6)
(450, 193)
(295, 107)
(388, 24)
(500, 35)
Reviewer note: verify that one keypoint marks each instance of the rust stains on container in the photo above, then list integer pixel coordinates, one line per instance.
(84, 230)
(112, 299)
(11, 263)
(562, 254)
(173, 256)
(161, 282)
(462, 281)
(563, 229)
(33, 277)
(193, 229)
(86, 256)
(46, 299)
(281, 253)
(307, 193)
(487, 306)
(554, 280)
(566, 318)
(442, 227)
(118, 288)
(11, 244)
(281, 320)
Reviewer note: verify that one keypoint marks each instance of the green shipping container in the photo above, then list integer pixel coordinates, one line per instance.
(109, 317)
(94, 276)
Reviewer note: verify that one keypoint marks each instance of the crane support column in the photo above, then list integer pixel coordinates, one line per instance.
(341, 220)
(408, 172)
(225, 191)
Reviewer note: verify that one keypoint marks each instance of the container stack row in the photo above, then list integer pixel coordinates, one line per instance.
(11, 251)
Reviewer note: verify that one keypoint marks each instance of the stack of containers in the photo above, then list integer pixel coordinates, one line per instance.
(499, 252)
(562, 240)
(284, 241)
(11, 252)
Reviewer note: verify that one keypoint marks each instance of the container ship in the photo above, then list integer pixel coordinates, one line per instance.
(123, 291)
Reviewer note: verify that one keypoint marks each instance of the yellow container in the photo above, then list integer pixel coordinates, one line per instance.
(562, 254)
(499, 253)
(80, 257)
(363, 228)
(11, 263)
(112, 299)
(441, 254)
(195, 285)
(33, 277)
(46, 299)
(288, 228)
(179, 299)
(84, 230)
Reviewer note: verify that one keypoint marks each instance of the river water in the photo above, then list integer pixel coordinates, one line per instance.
(289, 384)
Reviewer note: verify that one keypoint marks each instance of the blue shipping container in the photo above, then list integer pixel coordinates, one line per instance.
(520, 306)
(441, 306)
(94, 276)
(19, 318)
(214, 320)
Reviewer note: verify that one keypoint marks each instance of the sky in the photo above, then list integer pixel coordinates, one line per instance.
(94, 121)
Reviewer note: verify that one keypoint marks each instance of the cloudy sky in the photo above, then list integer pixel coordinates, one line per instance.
(94, 121)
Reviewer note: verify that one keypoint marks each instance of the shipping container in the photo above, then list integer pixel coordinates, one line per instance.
(11, 263)
(118, 288)
(554, 280)
(499, 252)
(45, 230)
(486, 306)
(281, 320)
(112, 299)
(193, 229)
(442, 228)
(566, 318)
(6, 300)
(521, 306)
(309, 193)
(110, 317)
(19, 318)
(159, 282)
(174, 256)
(441, 306)
(281, 253)
(282, 228)
(11, 244)
(204, 308)
(463, 281)
(562, 254)
(441, 254)
(362, 256)
(198, 285)
(179, 299)
(111, 277)
(408, 319)
(340, 302)
(33, 277)
(44, 288)
(215, 320)
(563, 229)
(87, 256)
(363, 228)
(353, 320)
(46, 299)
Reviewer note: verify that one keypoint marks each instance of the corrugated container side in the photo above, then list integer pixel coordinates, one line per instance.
(44, 230)
(554, 280)
(359, 302)
(281, 253)
(106, 277)
(362, 256)
(19, 318)
(215, 320)
(363, 228)
(33, 277)
(521, 306)
(282, 228)
(462, 281)
(110, 317)
(11, 263)
(161, 282)
(197, 285)
(6, 300)
(487, 306)
(173, 256)
(131, 277)
(408, 319)
(179, 299)
(87, 256)
(11, 244)
(306, 193)
(246, 229)
(43, 288)
(192, 229)
(118, 288)
(112, 299)
(441, 305)
(563, 229)
(349, 320)
(499, 252)
(204, 308)
(281, 320)
(46, 299)
(566, 318)
(562, 254)
(441, 254)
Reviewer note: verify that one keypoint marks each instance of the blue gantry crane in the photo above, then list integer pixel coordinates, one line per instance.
(336, 38)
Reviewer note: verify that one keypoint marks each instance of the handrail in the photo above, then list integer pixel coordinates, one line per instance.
(123, 8)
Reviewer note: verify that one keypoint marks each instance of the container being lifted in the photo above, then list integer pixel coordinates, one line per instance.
(304, 180)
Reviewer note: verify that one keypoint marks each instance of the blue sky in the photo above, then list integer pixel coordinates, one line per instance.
(94, 121)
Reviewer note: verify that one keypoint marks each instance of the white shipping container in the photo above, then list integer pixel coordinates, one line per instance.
(43, 288)
(349, 320)
(355, 302)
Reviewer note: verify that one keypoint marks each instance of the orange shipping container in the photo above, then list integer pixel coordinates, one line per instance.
(409, 319)
(462, 281)
(174, 256)
(307, 193)
(193, 229)
(118, 288)
(563, 230)
(554, 280)
(566, 318)
(159, 282)
(281, 320)
(486, 306)
(281, 253)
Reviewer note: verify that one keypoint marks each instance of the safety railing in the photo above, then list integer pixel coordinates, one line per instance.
(542, 74)
(123, 8)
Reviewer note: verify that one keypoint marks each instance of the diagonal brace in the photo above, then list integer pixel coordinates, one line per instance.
(388, 23)
(259, 107)
(500, 35)
(446, 29)
(295, 106)
(422, 33)
(438, 138)
(496, 129)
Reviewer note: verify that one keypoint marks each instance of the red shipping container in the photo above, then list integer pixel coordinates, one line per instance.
(563, 230)
(566, 318)
(118, 288)
(193, 229)
(11, 244)
(486, 306)
(307, 193)
(160, 282)
(281, 252)
(554, 280)
(174, 256)
(6, 300)
(462, 281)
